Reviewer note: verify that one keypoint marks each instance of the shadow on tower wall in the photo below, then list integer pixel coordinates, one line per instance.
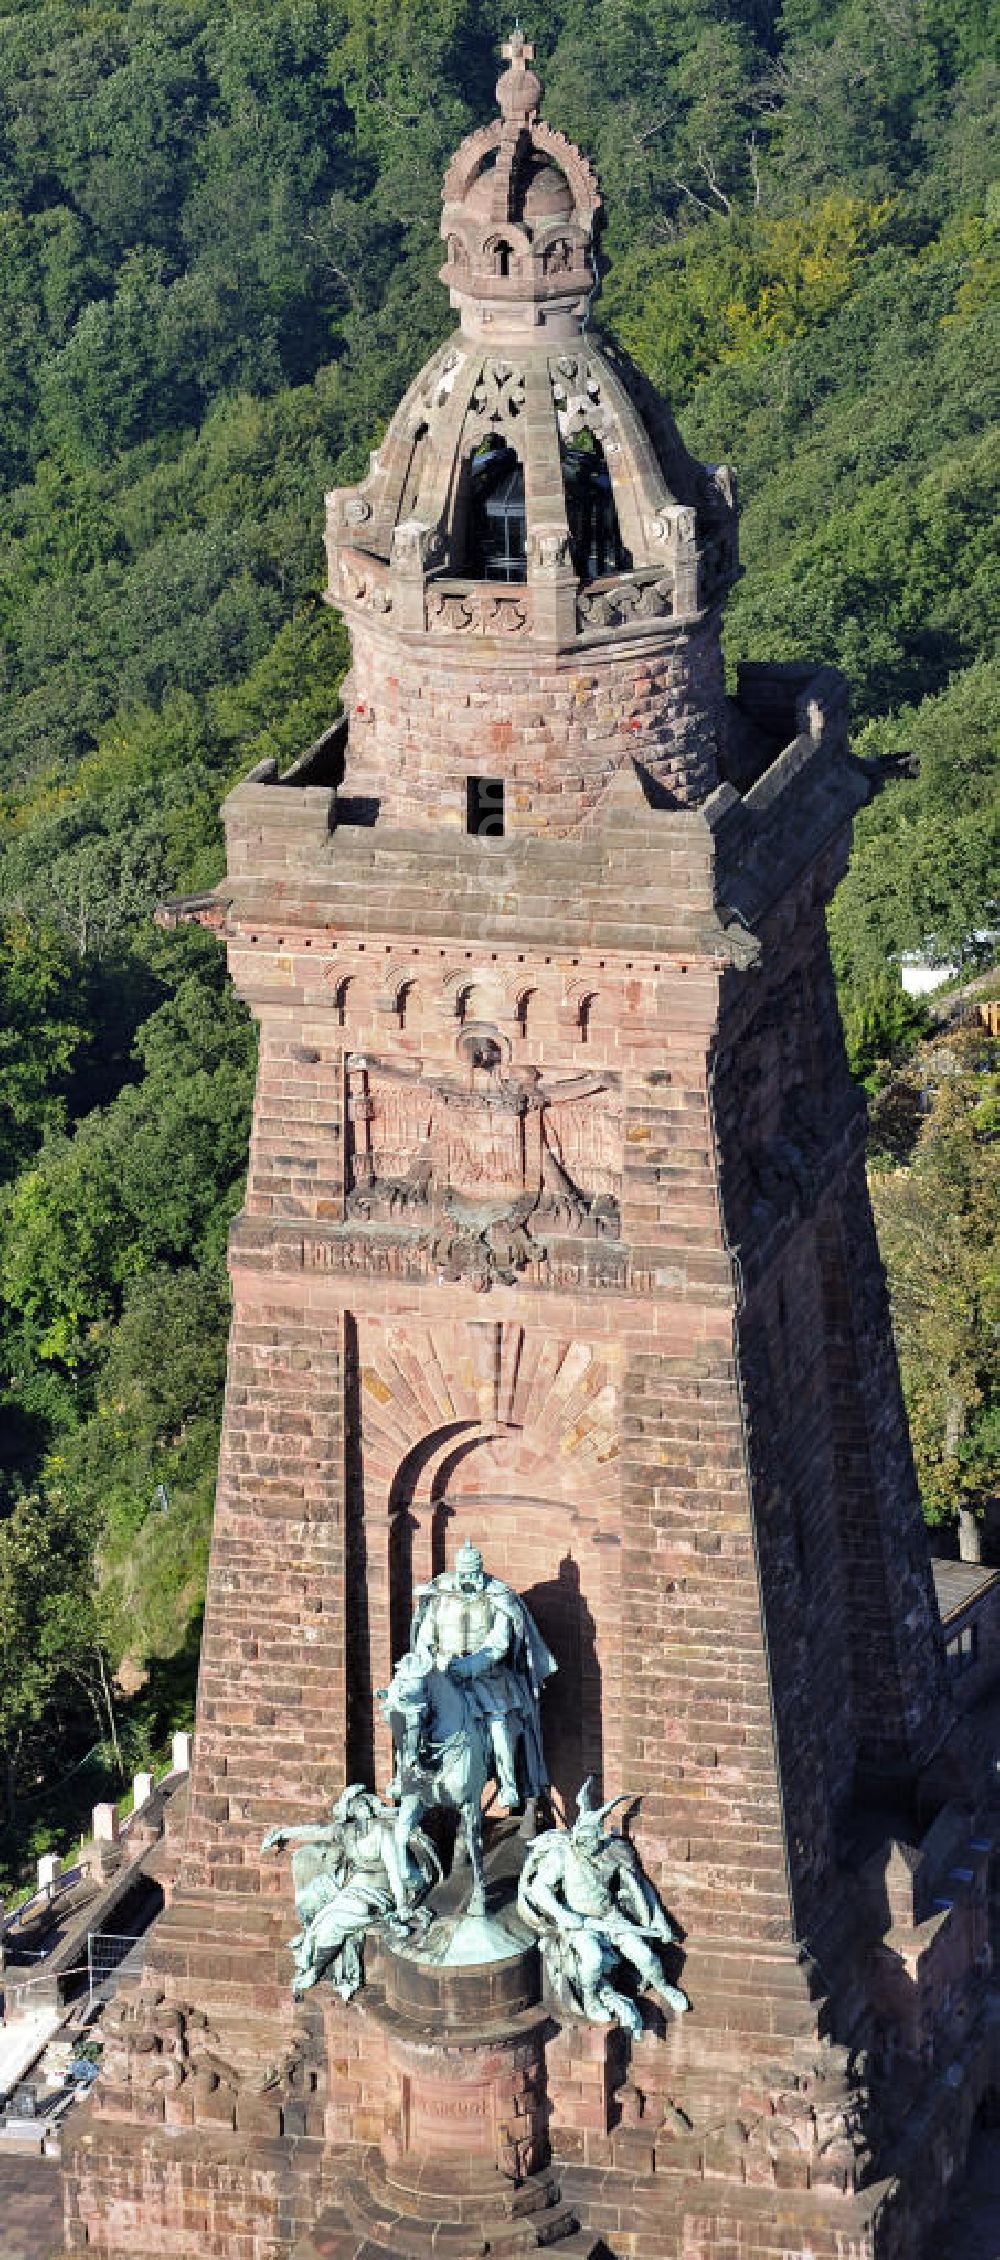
(571, 1704)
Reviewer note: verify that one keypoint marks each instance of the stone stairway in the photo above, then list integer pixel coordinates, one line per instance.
(423, 2209)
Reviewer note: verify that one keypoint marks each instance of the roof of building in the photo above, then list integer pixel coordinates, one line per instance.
(959, 1583)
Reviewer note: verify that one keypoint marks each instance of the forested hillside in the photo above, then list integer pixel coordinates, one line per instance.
(218, 252)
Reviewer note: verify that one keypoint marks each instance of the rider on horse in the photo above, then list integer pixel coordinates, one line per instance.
(478, 1630)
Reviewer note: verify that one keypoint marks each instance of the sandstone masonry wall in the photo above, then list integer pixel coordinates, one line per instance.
(554, 727)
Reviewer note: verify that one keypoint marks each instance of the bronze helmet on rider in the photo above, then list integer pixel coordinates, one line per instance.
(470, 1568)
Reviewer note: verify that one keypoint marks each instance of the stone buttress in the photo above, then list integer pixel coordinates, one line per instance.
(556, 1235)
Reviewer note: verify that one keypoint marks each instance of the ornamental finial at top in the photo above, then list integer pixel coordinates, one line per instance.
(519, 90)
(521, 204)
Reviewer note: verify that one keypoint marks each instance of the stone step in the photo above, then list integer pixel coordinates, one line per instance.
(350, 2231)
(463, 2188)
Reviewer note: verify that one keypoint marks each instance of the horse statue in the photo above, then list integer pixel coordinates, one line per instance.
(443, 1756)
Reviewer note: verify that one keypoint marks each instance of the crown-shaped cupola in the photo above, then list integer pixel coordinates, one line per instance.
(531, 516)
(520, 208)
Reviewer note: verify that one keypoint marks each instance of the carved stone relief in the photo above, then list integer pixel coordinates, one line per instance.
(483, 1167)
(579, 402)
(498, 398)
(168, 2054)
(549, 548)
(624, 602)
(416, 548)
(817, 2134)
(364, 582)
(477, 611)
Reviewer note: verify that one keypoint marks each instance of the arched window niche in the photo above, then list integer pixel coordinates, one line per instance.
(591, 514)
(495, 544)
(557, 259)
(409, 1004)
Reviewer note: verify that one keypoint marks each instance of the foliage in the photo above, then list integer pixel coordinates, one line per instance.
(939, 1225)
(735, 290)
(43, 1028)
(114, 1292)
(150, 1179)
(49, 1639)
(927, 851)
(881, 1024)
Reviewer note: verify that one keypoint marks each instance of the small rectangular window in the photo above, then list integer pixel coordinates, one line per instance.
(963, 1650)
(484, 807)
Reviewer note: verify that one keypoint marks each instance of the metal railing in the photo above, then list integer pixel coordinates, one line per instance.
(108, 1952)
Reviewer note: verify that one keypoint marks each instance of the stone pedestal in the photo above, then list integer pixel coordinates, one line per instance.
(444, 1989)
(463, 2163)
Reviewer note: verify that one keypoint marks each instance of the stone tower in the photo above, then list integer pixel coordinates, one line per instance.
(556, 1235)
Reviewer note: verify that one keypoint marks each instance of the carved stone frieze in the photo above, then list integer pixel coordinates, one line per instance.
(405, 1253)
(478, 611)
(497, 400)
(486, 1166)
(164, 2059)
(627, 602)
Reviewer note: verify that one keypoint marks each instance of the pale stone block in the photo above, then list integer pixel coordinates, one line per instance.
(49, 1870)
(142, 1790)
(104, 1824)
(180, 1753)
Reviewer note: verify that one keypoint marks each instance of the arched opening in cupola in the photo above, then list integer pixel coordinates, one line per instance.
(591, 514)
(495, 545)
(557, 259)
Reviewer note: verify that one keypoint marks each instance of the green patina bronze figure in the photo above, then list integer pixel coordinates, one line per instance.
(353, 1874)
(479, 1631)
(583, 1892)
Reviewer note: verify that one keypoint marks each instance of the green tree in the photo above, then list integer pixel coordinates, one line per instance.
(152, 1178)
(938, 1217)
(43, 1030)
(50, 1645)
(926, 853)
(881, 1024)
